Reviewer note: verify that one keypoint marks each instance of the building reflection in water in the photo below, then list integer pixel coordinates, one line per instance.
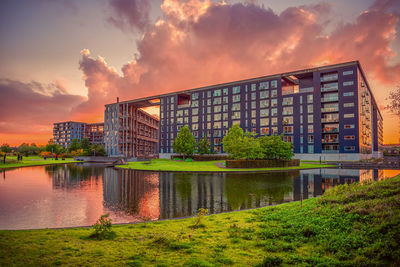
(161, 195)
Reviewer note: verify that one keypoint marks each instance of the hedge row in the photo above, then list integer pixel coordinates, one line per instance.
(268, 163)
(202, 157)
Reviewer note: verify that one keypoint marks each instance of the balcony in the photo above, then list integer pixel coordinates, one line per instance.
(333, 130)
(328, 151)
(329, 99)
(327, 120)
(329, 78)
(326, 110)
(330, 141)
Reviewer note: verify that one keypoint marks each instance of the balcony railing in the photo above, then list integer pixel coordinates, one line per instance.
(330, 141)
(329, 89)
(329, 78)
(324, 120)
(334, 130)
(329, 151)
(329, 99)
(335, 109)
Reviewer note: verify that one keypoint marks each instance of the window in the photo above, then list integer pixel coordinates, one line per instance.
(225, 108)
(195, 96)
(209, 94)
(287, 111)
(217, 125)
(274, 121)
(274, 93)
(348, 115)
(274, 102)
(288, 129)
(349, 72)
(253, 96)
(310, 119)
(236, 90)
(225, 116)
(288, 139)
(349, 137)
(310, 128)
(287, 101)
(301, 99)
(225, 99)
(195, 111)
(217, 109)
(254, 123)
(236, 98)
(287, 120)
(264, 112)
(264, 85)
(195, 119)
(172, 99)
(310, 148)
(348, 83)
(301, 109)
(209, 102)
(348, 105)
(236, 107)
(217, 117)
(274, 84)
(310, 98)
(253, 105)
(264, 103)
(217, 92)
(253, 87)
(349, 148)
(310, 108)
(225, 91)
(236, 115)
(264, 131)
(253, 114)
(348, 94)
(208, 109)
(311, 139)
(274, 112)
(208, 117)
(264, 122)
(264, 94)
(349, 126)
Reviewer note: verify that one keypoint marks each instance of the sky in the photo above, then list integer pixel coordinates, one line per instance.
(65, 59)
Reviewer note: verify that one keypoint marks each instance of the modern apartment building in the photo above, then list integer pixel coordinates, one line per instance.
(327, 112)
(130, 131)
(65, 132)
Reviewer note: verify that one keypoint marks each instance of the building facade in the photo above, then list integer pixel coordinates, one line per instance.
(327, 112)
(129, 131)
(65, 132)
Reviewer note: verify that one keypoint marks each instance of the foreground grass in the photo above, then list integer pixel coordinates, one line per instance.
(11, 162)
(202, 166)
(355, 225)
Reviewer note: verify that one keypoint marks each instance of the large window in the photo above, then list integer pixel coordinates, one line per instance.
(287, 101)
(287, 111)
(263, 85)
(274, 84)
(236, 90)
(264, 103)
(217, 92)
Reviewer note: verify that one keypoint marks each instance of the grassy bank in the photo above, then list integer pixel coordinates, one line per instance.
(11, 162)
(202, 166)
(349, 225)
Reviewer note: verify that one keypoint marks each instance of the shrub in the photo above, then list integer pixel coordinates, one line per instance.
(200, 214)
(102, 228)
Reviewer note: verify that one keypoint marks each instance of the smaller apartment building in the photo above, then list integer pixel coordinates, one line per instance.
(65, 132)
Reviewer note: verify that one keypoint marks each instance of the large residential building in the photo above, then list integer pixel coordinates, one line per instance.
(327, 112)
(65, 132)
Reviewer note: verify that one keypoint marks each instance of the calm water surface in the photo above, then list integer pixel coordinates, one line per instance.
(77, 194)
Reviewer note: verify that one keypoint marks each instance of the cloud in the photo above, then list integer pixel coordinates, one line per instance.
(130, 14)
(33, 107)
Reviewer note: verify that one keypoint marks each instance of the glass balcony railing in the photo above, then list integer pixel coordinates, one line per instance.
(328, 78)
(330, 141)
(334, 109)
(324, 120)
(329, 99)
(329, 89)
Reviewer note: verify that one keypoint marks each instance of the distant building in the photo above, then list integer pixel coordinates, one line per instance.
(327, 112)
(65, 132)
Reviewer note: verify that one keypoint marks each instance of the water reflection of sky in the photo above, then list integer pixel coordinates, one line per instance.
(75, 195)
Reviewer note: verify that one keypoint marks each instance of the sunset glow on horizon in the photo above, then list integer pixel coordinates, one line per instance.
(64, 60)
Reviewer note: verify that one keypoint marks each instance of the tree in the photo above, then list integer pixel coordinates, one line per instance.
(232, 142)
(203, 146)
(394, 105)
(85, 144)
(274, 147)
(97, 150)
(184, 143)
(5, 148)
(56, 148)
(75, 145)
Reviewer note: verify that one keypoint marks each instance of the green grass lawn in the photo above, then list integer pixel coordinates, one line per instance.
(351, 225)
(202, 166)
(11, 161)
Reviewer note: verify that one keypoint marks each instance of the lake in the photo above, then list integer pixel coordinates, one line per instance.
(77, 194)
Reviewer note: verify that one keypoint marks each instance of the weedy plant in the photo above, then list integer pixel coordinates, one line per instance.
(199, 218)
(103, 228)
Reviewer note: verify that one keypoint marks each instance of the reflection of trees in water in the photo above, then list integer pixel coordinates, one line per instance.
(131, 192)
(255, 190)
(74, 175)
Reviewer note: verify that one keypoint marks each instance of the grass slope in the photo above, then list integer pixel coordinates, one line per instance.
(202, 166)
(11, 162)
(356, 225)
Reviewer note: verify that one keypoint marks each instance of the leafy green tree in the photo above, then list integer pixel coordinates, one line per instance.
(274, 147)
(232, 142)
(75, 145)
(5, 148)
(85, 144)
(203, 146)
(184, 143)
(57, 149)
(97, 150)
